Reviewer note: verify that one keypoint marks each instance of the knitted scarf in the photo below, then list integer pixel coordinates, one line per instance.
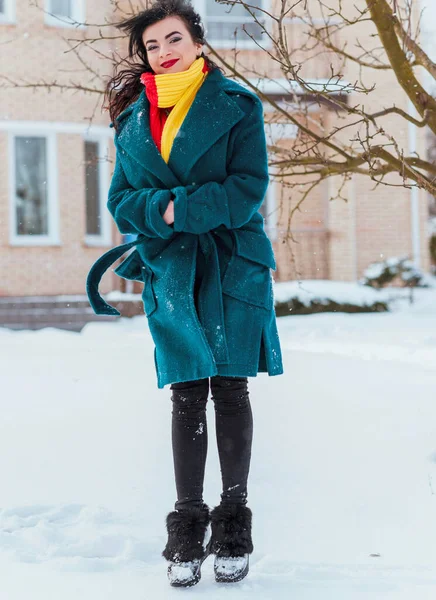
(172, 89)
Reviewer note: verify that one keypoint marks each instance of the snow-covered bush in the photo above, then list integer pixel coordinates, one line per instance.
(380, 274)
(315, 296)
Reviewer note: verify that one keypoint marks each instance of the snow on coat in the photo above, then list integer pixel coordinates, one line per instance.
(217, 172)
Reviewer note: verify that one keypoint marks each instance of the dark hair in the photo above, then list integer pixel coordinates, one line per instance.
(125, 87)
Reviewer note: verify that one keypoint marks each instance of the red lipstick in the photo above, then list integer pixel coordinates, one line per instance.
(169, 63)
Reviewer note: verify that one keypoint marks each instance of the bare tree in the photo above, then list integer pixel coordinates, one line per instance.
(345, 136)
(92, 52)
(357, 140)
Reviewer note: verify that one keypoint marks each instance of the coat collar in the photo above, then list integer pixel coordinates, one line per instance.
(211, 115)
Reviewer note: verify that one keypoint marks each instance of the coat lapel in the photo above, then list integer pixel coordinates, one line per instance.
(212, 114)
(135, 138)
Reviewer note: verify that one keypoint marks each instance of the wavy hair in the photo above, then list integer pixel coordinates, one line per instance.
(125, 86)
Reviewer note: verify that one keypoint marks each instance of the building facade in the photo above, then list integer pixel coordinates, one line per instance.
(57, 157)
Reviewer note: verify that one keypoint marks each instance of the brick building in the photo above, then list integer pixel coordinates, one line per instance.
(57, 156)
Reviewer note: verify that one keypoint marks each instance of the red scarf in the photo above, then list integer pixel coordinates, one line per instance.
(158, 116)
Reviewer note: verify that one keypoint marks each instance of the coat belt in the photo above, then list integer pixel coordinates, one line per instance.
(210, 294)
(97, 271)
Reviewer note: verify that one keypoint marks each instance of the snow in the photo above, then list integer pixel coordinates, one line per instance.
(117, 296)
(324, 291)
(183, 571)
(50, 299)
(342, 483)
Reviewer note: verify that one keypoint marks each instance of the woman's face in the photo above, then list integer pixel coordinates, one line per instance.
(169, 40)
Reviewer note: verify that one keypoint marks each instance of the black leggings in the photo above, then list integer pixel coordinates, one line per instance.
(234, 433)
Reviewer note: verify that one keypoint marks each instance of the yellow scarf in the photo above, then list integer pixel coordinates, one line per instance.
(177, 90)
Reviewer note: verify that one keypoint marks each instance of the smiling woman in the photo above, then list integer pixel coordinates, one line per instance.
(191, 174)
(170, 52)
(166, 31)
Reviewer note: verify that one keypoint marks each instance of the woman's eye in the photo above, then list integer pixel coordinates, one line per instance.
(151, 48)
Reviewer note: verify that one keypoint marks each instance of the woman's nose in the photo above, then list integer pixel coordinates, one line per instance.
(164, 51)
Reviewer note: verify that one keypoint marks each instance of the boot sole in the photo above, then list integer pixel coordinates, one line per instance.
(188, 583)
(197, 576)
(225, 579)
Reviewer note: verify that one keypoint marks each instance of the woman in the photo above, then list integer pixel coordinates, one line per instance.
(190, 177)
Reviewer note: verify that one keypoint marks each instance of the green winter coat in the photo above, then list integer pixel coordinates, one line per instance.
(217, 172)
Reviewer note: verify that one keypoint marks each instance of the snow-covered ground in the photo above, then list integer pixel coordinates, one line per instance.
(342, 483)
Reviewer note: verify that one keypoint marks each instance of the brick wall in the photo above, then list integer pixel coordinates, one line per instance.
(327, 238)
(37, 53)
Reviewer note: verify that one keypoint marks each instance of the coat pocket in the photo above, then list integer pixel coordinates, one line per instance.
(135, 269)
(248, 275)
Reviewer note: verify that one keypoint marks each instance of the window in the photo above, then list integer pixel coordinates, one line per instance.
(96, 179)
(61, 8)
(33, 189)
(92, 187)
(223, 22)
(7, 11)
(31, 202)
(64, 13)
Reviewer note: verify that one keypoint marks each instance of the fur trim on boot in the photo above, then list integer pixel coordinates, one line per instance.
(186, 531)
(231, 530)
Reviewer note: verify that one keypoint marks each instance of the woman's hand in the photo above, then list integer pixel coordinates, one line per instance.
(168, 215)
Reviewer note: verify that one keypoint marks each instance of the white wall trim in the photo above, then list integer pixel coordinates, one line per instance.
(414, 192)
(105, 237)
(281, 85)
(8, 15)
(271, 211)
(280, 131)
(313, 21)
(52, 238)
(56, 127)
(241, 44)
(78, 15)
(353, 227)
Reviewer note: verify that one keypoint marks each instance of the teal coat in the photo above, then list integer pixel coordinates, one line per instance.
(217, 173)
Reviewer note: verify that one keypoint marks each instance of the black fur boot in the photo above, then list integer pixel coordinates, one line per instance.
(231, 541)
(184, 549)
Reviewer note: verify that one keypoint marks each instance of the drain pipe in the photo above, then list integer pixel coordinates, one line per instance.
(414, 194)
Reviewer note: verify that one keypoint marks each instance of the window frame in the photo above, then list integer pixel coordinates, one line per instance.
(242, 44)
(8, 16)
(104, 238)
(52, 237)
(78, 16)
(270, 216)
(286, 131)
